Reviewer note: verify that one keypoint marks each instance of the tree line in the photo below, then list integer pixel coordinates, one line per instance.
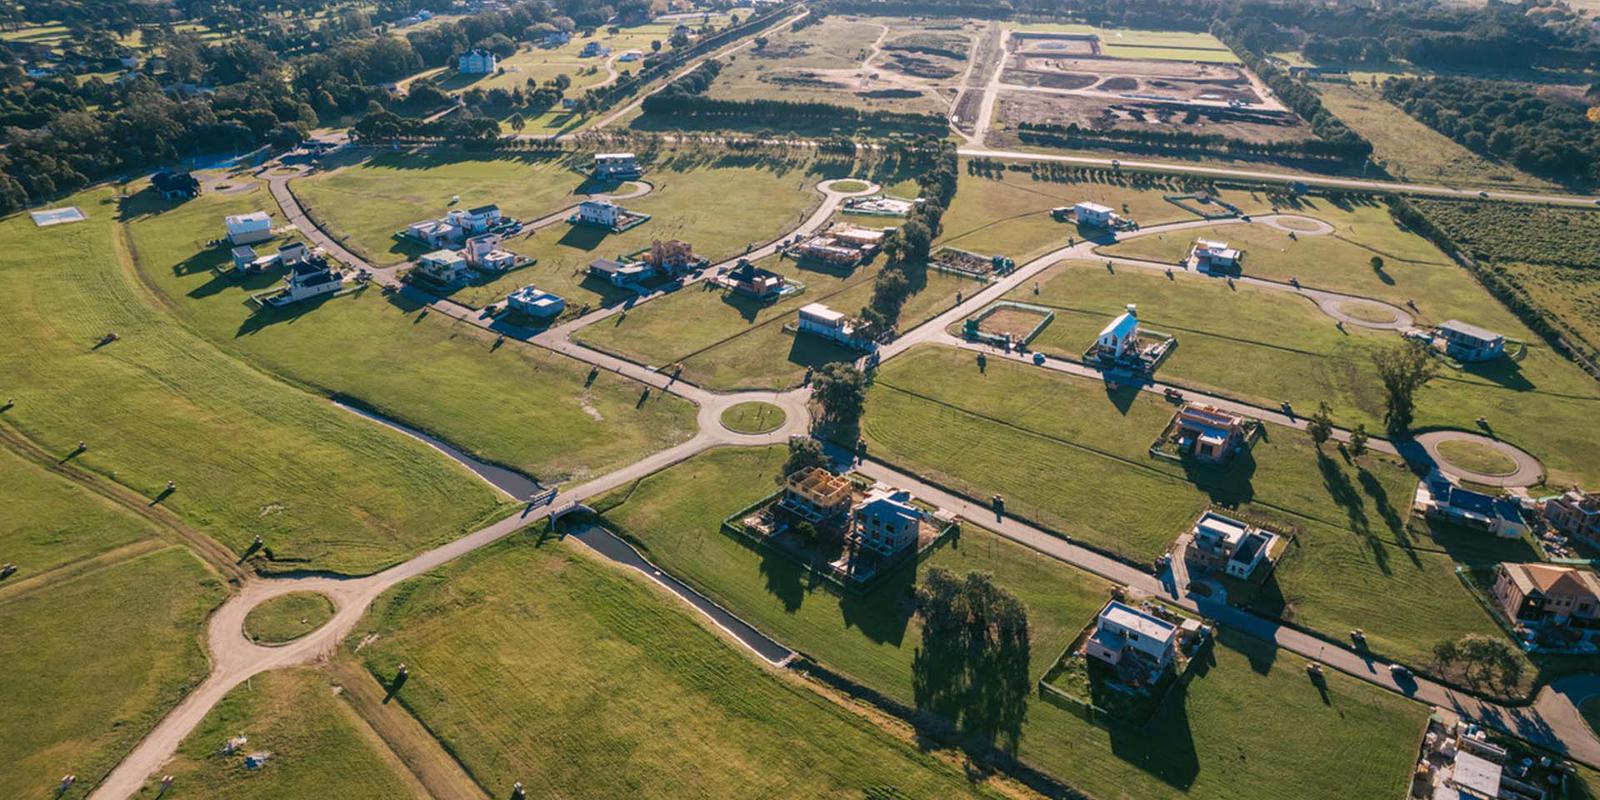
(1072, 135)
(935, 164)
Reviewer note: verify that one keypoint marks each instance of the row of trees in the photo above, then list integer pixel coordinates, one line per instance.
(934, 163)
(1073, 135)
(787, 111)
(1300, 98)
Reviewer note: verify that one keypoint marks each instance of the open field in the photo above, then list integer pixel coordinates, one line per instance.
(318, 746)
(933, 412)
(62, 523)
(160, 403)
(126, 636)
(727, 341)
(504, 402)
(287, 617)
(1143, 44)
(1249, 726)
(1410, 150)
(634, 697)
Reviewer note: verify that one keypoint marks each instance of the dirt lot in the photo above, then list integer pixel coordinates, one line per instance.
(1175, 80)
(1047, 44)
(1098, 113)
(1017, 322)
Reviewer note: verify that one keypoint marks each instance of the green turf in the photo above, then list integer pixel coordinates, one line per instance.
(850, 186)
(93, 662)
(287, 617)
(1266, 347)
(318, 746)
(541, 664)
(752, 417)
(249, 454)
(1477, 457)
(1250, 726)
(933, 412)
(506, 402)
(62, 523)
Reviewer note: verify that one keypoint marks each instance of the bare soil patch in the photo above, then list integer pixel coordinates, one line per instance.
(1096, 113)
(1015, 322)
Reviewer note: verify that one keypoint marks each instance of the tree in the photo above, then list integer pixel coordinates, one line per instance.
(839, 391)
(1403, 369)
(1377, 263)
(1321, 425)
(518, 122)
(1358, 441)
(1484, 659)
(655, 45)
(804, 453)
(972, 667)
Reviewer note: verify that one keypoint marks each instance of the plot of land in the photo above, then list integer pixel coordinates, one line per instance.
(1357, 740)
(634, 697)
(316, 746)
(62, 523)
(125, 636)
(425, 370)
(250, 455)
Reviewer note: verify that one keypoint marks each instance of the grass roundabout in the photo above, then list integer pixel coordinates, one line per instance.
(1476, 457)
(850, 185)
(1366, 312)
(753, 417)
(287, 617)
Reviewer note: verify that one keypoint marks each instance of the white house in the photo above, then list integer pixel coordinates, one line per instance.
(631, 55)
(434, 232)
(593, 49)
(1121, 336)
(557, 38)
(484, 254)
(615, 166)
(443, 266)
(603, 213)
(1237, 548)
(1467, 342)
(1209, 256)
(1127, 637)
(819, 320)
(618, 273)
(306, 279)
(885, 521)
(477, 62)
(535, 303)
(1096, 215)
(249, 228)
(475, 220)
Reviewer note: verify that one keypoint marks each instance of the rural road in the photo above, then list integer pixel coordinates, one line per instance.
(1552, 721)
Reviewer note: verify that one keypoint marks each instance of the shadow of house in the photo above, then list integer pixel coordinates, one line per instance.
(583, 237)
(1121, 394)
(268, 316)
(1503, 372)
(812, 352)
(1163, 747)
(1229, 484)
(748, 307)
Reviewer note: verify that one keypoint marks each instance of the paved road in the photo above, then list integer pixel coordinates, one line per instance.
(1527, 471)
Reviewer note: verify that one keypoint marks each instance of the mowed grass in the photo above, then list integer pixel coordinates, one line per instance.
(1410, 150)
(250, 455)
(287, 617)
(1477, 457)
(1009, 214)
(1265, 347)
(505, 402)
(1249, 726)
(753, 417)
(727, 341)
(542, 664)
(318, 746)
(54, 522)
(933, 412)
(93, 662)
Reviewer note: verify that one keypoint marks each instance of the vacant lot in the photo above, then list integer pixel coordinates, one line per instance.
(318, 746)
(1305, 745)
(54, 522)
(93, 662)
(507, 403)
(998, 430)
(1103, 113)
(1145, 44)
(541, 664)
(248, 453)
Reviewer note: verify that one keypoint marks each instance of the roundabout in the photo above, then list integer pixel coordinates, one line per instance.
(1480, 459)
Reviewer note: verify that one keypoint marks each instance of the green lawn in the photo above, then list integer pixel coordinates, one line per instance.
(1265, 346)
(287, 617)
(63, 523)
(1250, 726)
(93, 662)
(932, 411)
(319, 747)
(250, 455)
(1477, 457)
(503, 401)
(541, 664)
(753, 417)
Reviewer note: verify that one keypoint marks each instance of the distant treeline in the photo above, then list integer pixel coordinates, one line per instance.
(1073, 135)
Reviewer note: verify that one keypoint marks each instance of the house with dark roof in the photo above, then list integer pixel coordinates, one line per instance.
(1467, 342)
(752, 281)
(1575, 514)
(619, 273)
(175, 185)
(1440, 499)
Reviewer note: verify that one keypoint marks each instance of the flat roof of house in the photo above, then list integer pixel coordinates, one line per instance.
(1226, 528)
(1094, 207)
(612, 156)
(822, 312)
(1253, 543)
(244, 251)
(606, 265)
(483, 209)
(1468, 329)
(1476, 774)
(1130, 618)
(252, 217)
(446, 256)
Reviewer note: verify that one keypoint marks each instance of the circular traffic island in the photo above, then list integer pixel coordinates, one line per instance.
(1476, 456)
(287, 617)
(753, 418)
(849, 186)
(1364, 311)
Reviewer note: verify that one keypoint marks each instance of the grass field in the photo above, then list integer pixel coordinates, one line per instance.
(1410, 150)
(318, 746)
(1145, 44)
(1271, 347)
(62, 524)
(287, 617)
(163, 404)
(932, 411)
(93, 662)
(727, 341)
(504, 402)
(753, 417)
(541, 664)
(1250, 725)
(1477, 457)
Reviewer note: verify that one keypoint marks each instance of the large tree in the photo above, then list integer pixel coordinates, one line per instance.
(839, 391)
(972, 667)
(1404, 369)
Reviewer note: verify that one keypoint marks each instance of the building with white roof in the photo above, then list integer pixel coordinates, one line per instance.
(249, 228)
(536, 303)
(1226, 543)
(1464, 341)
(615, 166)
(1121, 337)
(443, 266)
(1210, 257)
(1133, 642)
(1096, 215)
(819, 320)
